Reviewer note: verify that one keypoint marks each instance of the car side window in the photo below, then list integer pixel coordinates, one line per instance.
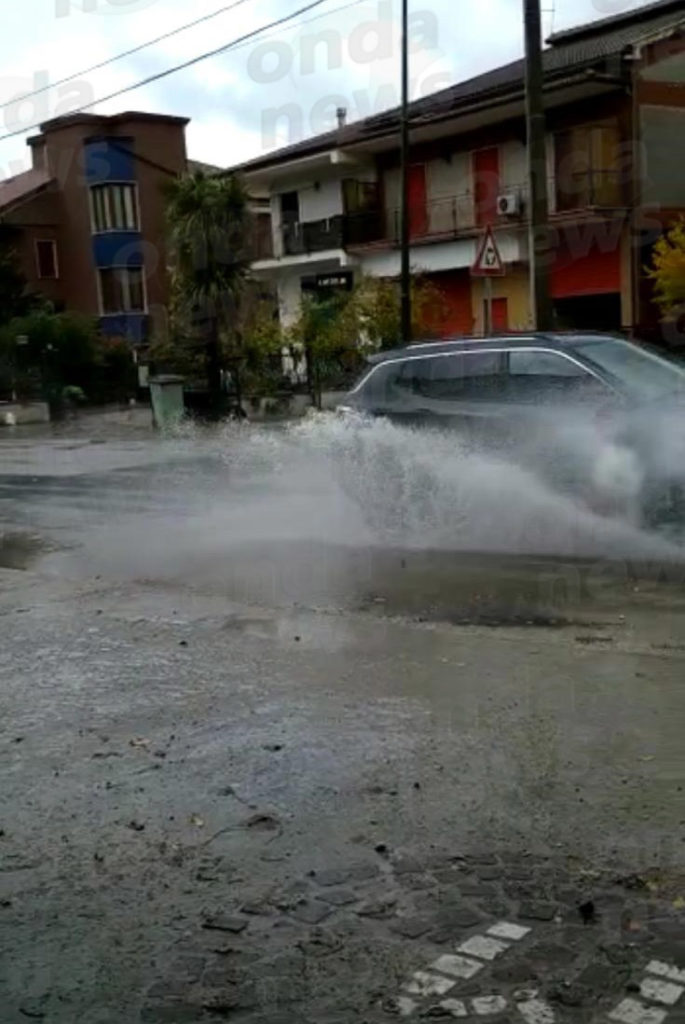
(463, 376)
(379, 387)
(539, 375)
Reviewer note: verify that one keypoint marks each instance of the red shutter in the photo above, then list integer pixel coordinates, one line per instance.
(595, 272)
(418, 208)
(486, 185)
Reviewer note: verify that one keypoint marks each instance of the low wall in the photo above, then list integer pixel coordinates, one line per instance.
(15, 414)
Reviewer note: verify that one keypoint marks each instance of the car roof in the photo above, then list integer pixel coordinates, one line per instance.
(555, 340)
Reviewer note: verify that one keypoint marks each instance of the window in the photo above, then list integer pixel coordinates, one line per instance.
(113, 208)
(588, 166)
(46, 258)
(642, 373)
(122, 290)
(543, 364)
(536, 375)
(464, 375)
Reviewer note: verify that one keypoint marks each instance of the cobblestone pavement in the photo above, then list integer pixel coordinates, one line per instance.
(436, 936)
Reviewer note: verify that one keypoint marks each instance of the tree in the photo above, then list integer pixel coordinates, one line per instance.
(372, 312)
(208, 220)
(668, 270)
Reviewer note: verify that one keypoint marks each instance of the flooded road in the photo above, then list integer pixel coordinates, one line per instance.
(365, 697)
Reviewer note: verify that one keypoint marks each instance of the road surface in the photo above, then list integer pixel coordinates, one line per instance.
(262, 761)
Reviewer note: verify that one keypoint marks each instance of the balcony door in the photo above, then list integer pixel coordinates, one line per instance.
(418, 203)
(486, 185)
(290, 223)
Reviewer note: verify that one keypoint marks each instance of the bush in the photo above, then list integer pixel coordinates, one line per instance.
(43, 354)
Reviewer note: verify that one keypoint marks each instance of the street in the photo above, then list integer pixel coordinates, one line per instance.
(269, 754)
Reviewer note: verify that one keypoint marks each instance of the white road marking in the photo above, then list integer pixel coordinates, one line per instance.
(406, 1006)
(535, 1011)
(506, 930)
(665, 971)
(664, 992)
(424, 984)
(481, 946)
(488, 1005)
(455, 1007)
(630, 1011)
(457, 966)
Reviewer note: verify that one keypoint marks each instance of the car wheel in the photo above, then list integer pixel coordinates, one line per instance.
(664, 509)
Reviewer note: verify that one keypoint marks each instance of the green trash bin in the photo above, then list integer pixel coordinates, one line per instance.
(166, 396)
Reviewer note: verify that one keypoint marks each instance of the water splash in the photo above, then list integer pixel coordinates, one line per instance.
(430, 489)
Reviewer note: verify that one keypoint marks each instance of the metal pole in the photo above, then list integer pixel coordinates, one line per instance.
(405, 273)
(541, 306)
(487, 284)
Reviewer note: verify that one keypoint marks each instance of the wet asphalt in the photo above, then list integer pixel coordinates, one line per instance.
(224, 696)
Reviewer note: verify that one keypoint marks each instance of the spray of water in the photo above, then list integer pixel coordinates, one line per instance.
(432, 489)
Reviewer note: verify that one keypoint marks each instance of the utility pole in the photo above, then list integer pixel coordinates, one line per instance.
(405, 273)
(538, 238)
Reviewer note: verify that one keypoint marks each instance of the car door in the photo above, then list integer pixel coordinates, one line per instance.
(460, 389)
(553, 402)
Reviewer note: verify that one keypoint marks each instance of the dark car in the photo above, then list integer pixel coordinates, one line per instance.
(600, 416)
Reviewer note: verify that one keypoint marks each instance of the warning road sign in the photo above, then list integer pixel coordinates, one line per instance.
(488, 262)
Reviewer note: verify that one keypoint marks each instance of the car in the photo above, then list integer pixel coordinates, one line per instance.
(597, 415)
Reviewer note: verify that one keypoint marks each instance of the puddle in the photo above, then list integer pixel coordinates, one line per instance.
(20, 550)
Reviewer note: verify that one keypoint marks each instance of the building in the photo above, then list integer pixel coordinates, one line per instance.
(614, 93)
(88, 222)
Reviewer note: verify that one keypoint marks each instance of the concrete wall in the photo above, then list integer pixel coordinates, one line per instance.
(448, 255)
(512, 166)
(289, 299)
(321, 200)
(23, 413)
(663, 152)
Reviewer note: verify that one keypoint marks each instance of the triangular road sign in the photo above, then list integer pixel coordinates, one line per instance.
(488, 262)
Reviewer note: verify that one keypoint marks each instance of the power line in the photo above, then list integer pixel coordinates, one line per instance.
(178, 67)
(126, 53)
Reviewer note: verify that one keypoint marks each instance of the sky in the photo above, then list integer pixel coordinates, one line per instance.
(277, 88)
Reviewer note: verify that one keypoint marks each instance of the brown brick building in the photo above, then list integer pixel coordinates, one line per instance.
(87, 221)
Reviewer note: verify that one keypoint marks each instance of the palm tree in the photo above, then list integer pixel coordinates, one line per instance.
(209, 232)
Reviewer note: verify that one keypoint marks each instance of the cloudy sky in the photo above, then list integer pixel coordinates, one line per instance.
(276, 88)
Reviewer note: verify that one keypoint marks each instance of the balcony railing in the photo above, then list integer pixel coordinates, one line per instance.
(312, 236)
(451, 216)
(445, 216)
(580, 190)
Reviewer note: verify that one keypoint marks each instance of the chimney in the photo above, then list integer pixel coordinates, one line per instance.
(341, 114)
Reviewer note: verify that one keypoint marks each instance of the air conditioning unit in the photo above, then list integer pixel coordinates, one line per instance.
(509, 204)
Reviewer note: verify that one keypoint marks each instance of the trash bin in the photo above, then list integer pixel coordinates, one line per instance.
(166, 396)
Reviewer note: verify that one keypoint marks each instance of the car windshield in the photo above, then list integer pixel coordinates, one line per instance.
(645, 375)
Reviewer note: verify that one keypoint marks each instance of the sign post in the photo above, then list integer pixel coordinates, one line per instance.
(488, 264)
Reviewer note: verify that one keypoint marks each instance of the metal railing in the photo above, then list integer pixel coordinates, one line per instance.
(449, 216)
(312, 236)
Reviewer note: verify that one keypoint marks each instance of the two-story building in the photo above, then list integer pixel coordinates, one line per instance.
(614, 93)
